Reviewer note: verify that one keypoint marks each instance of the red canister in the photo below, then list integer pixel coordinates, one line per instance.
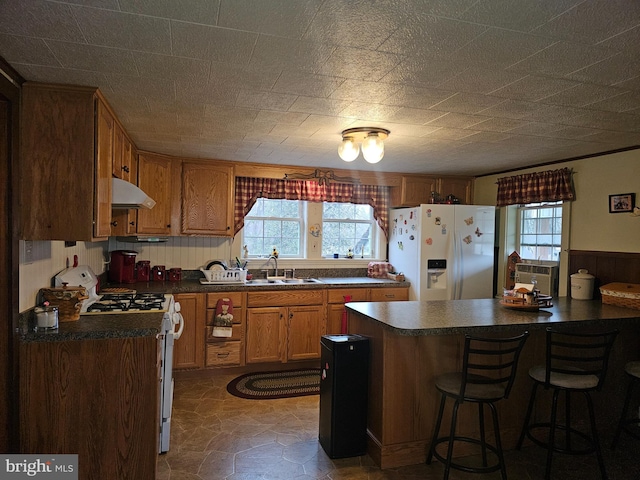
(143, 270)
(158, 273)
(175, 274)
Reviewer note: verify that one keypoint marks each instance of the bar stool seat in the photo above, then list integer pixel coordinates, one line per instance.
(488, 372)
(575, 363)
(632, 369)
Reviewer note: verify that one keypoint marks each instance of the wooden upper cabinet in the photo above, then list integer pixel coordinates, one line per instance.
(154, 178)
(460, 187)
(104, 160)
(66, 136)
(414, 190)
(207, 199)
(122, 155)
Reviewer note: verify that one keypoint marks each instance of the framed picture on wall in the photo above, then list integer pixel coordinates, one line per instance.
(622, 202)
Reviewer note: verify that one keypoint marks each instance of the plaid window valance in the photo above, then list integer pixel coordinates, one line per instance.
(549, 186)
(249, 189)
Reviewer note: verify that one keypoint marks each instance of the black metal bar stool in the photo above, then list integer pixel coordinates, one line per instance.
(488, 371)
(633, 370)
(575, 363)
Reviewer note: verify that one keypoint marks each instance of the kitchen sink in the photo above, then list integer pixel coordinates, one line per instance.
(263, 281)
(283, 281)
(301, 280)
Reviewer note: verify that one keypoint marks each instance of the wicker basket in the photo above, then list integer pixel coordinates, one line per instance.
(621, 294)
(67, 299)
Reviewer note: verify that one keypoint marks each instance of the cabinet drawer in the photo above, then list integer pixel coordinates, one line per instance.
(236, 334)
(237, 315)
(357, 295)
(235, 297)
(221, 354)
(285, 298)
(389, 294)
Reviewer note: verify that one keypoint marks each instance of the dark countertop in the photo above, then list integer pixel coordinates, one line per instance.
(144, 324)
(467, 316)
(96, 326)
(194, 286)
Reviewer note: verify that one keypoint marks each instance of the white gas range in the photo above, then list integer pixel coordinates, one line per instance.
(123, 301)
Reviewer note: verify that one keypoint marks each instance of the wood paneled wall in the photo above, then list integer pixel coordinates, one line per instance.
(607, 267)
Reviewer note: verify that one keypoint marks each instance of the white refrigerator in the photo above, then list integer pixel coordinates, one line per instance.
(445, 251)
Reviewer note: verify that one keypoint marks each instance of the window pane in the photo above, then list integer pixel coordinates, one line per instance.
(274, 223)
(540, 231)
(347, 227)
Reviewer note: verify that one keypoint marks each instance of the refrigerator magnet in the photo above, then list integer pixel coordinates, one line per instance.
(428, 212)
(438, 221)
(467, 239)
(429, 241)
(468, 221)
(400, 246)
(444, 229)
(412, 237)
(478, 232)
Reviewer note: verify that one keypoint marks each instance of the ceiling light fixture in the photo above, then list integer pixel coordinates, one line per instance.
(371, 139)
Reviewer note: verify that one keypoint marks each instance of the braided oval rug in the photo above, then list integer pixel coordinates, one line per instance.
(267, 385)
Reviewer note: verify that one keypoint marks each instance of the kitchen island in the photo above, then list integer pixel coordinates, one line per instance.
(412, 342)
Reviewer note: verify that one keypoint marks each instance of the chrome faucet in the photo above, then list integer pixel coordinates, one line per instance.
(275, 262)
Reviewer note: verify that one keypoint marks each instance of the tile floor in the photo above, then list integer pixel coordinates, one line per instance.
(216, 436)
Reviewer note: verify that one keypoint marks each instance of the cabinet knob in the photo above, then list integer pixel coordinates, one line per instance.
(228, 228)
(132, 224)
(114, 223)
(125, 168)
(169, 226)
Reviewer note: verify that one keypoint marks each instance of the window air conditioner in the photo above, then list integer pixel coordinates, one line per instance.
(545, 276)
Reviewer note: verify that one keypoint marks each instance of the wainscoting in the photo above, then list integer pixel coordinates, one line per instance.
(607, 267)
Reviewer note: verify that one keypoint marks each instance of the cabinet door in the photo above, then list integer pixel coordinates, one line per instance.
(124, 222)
(121, 155)
(306, 326)
(460, 187)
(334, 319)
(154, 178)
(414, 190)
(207, 195)
(266, 332)
(104, 157)
(189, 348)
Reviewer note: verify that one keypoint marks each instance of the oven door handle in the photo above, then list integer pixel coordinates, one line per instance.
(180, 319)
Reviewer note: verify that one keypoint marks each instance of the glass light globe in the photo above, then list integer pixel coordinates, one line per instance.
(373, 148)
(348, 150)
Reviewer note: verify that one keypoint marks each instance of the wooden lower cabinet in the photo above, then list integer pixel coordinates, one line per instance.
(336, 299)
(289, 331)
(188, 350)
(266, 334)
(94, 398)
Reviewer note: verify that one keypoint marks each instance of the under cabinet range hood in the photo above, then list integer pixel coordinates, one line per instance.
(141, 239)
(125, 195)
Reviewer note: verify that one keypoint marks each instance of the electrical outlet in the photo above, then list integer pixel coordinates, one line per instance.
(28, 251)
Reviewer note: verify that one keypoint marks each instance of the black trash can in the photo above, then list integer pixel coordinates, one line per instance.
(343, 395)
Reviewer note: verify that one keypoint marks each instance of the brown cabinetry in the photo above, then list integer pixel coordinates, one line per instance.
(207, 196)
(188, 350)
(416, 189)
(336, 299)
(66, 163)
(154, 178)
(225, 351)
(284, 325)
(459, 187)
(94, 398)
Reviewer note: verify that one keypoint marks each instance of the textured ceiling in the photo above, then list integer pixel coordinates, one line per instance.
(465, 86)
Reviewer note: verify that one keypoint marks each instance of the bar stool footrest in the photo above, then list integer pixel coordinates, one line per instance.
(571, 431)
(466, 468)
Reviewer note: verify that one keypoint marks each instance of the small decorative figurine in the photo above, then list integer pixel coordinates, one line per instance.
(245, 252)
(350, 253)
(274, 253)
